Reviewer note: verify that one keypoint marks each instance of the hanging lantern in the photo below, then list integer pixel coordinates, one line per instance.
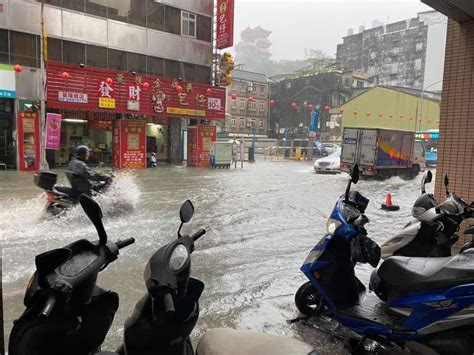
(368, 114)
(429, 121)
(18, 68)
(294, 105)
(146, 85)
(391, 115)
(272, 103)
(250, 99)
(179, 88)
(411, 118)
(354, 113)
(65, 75)
(401, 116)
(341, 110)
(326, 108)
(310, 107)
(209, 91)
(233, 96)
(380, 115)
(109, 81)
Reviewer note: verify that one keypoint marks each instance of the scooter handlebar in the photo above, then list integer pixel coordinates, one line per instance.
(48, 306)
(198, 234)
(168, 303)
(125, 243)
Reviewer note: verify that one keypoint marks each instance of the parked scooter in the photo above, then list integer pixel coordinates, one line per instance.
(61, 198)
(434, 231)
(152, 161)
(68, 314)
(428, 300)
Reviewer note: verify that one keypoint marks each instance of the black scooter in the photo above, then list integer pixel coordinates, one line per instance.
(66, 313)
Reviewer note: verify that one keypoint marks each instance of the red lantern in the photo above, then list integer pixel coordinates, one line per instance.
(429, 121)
(109, 81)
(18, 68)
(179, 88)
(272, 103)
(354, 113)
(326, 108)
(250, 99)
(310, 107)
(401, 116)
(294, 105)
(209, 91)
(233, 96)
(411, 118)
(380, 115)
(341, 110)
(146, 85)
(368, 114)
(65, 75)
(391, 115)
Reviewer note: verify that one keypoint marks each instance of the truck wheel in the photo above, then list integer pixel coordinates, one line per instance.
(415, 170)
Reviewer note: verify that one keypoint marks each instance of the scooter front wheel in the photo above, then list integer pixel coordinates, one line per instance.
(309, 301)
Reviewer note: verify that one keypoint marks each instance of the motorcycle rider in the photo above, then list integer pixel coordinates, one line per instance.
(82, 178)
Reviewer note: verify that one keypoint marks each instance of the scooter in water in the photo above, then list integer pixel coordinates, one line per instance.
(435, 229)
(61, 198)
(427, 300)
(67, 313)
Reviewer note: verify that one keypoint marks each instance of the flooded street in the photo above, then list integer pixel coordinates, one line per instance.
(261, 222)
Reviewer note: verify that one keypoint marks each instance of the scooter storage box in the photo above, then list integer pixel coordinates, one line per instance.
(46, 180)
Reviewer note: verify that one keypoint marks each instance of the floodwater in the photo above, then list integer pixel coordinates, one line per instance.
(261, 221)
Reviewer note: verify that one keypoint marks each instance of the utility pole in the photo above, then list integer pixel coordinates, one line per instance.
(44, 163)
(420, 117)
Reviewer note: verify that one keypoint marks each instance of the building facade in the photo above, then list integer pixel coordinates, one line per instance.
(455, 145)
(131, 42)
(405, 53)
(247, 104)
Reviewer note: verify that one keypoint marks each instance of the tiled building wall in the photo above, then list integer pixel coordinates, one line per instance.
(456, 144)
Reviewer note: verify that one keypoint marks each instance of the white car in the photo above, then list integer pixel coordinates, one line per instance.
(331, 163)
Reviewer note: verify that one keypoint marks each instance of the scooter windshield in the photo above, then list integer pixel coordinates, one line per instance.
(345, 214)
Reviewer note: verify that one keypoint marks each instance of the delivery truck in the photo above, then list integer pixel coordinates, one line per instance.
(382, 153)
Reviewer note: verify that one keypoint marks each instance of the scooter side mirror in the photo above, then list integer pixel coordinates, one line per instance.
(186, 212)
(427, 178)
(354, 179)
(94, 213)
(446, 184)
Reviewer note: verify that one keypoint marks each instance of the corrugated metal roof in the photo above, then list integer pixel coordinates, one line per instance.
(238, 74)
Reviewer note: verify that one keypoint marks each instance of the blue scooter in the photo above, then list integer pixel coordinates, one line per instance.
(429, 301)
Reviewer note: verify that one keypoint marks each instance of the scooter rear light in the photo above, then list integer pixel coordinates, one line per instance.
(370, 169)
(50, 197)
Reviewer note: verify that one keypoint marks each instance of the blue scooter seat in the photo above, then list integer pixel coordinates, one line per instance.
(409, 273)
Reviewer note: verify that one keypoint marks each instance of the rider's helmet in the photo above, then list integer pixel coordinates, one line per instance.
(81, 151)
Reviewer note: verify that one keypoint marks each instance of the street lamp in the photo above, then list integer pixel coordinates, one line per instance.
(43, 162)
(421, 103)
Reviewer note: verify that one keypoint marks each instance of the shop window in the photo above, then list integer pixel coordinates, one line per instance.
(262, 90)
(233, 122)
(96, 56)
(137, 63)
(117, 60)
(76, 5)
(243, 86)
(188, 24)
(4, 58)
(242, 122)
(23, 48)
(172, 20)
(203, 74)
(96, 7)
(118, 10)
(155, 66)
(233, 104)
(261, 107)
(204, 25)
(171, 69)
(74, 53)
(261, 124)
(155, 15)
(189, 72)
(137, 13)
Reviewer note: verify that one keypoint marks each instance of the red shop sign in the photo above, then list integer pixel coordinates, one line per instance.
(225, 24)
(88, 89)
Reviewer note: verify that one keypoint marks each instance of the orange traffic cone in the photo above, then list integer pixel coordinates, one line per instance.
(388, 206)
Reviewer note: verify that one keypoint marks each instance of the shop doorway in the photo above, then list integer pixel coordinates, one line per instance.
(157, 140)
(7, 143)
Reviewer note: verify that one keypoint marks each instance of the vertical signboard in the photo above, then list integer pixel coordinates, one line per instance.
(7, 81)
(225, 24)
(28, 141)
(200, 139)
(129, 144)
(53, 131)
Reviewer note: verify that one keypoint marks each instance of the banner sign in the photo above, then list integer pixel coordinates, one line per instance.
(313, 127)
(129, 144)
(53, 131)
(225, 24)
(28, 141)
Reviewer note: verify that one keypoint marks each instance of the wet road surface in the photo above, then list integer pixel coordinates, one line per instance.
(261, 222)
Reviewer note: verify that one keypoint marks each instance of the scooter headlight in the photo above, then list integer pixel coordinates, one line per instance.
(332, 225)
(178, 258)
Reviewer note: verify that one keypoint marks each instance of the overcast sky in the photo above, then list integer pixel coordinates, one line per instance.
(298, 24)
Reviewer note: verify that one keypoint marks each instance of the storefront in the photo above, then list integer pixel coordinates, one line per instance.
(7, 115)
(93, 103)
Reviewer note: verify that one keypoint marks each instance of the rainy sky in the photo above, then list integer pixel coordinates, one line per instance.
(298, 24)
